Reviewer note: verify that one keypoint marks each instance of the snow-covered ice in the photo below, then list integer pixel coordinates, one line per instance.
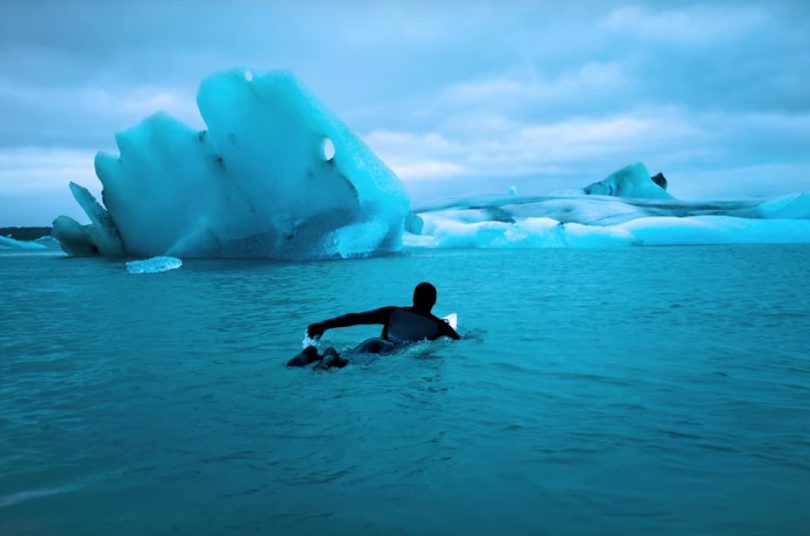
(631, 210)
(655, 231)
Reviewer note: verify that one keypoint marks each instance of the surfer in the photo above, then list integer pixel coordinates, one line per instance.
(401, 326)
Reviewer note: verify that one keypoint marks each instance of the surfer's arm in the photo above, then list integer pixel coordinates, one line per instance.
(377, 316)
(448, 331)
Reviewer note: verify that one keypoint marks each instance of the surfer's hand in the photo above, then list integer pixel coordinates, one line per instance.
(315, 330)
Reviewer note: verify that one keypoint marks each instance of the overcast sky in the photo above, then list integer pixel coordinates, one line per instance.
(456, 97)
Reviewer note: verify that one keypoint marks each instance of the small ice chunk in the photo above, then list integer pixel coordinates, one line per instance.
(154, 265)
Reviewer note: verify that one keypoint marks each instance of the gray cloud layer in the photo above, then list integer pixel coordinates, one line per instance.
(457, 98)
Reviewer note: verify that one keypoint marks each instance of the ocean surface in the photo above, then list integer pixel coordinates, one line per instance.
(625, 391)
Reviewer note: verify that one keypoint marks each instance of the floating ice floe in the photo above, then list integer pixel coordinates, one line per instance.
(276, 175)
(6, 242)
(49, 242)
(44, 244)
(154, 265)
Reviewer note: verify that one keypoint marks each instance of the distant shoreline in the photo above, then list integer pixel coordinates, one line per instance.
(25, 233)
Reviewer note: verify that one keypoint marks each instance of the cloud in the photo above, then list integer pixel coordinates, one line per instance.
(741, 182)
(426, 25)
(583, 82)
(467, 96)
(691, 146)
(83, 115)
(38, 177)
(428, 169)
(512, 148)
(136, 102)
(36, 170)
(690, 25)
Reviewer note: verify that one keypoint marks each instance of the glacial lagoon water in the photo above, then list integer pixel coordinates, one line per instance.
(606, 391)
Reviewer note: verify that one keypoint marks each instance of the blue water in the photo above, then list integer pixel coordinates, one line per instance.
(633, 391)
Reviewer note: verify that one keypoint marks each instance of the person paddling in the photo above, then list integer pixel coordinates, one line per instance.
(401, 326)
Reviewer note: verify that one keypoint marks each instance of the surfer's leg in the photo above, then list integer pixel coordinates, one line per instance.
(308, 355)
(376, 345)
(331, 358)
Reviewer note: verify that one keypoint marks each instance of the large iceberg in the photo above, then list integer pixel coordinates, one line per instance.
(276, 175)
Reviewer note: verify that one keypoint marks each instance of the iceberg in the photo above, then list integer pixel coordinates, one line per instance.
(42, 244)
(792, 206)
(631, 181)
(154, 265)
(653, 231)
(715, 230)
(526, 233)
(633, 209)
(275, 174)
(98, 238)
(6, 242)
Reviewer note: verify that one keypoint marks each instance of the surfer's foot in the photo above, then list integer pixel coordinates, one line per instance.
(325, 363)
(331, 359)
(307, 356)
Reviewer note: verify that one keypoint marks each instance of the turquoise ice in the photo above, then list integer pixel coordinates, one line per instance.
(278, 175)
(625, 209)
(275, 175)
(154, 265)
(630, 181)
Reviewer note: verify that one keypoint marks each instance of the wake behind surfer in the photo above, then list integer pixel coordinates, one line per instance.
(401, 326)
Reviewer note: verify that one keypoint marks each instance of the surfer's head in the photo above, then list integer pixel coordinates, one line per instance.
(424, 297)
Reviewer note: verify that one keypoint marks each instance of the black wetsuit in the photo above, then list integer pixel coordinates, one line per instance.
(400, 324)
